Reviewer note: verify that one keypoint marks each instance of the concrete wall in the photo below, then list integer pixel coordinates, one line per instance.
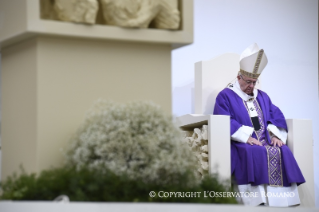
(48, 84)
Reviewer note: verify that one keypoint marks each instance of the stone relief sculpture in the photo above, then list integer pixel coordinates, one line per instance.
(140, 13)
(161, 14)
(198, 142)
(80, 11)
(47, 11)
(169, 15)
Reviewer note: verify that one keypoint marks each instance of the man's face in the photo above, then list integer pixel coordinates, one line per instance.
(246, 84)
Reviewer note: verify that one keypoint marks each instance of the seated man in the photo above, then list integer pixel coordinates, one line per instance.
(260, 160)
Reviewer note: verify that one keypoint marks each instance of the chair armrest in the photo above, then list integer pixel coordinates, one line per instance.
(300, 142)
(218, 140)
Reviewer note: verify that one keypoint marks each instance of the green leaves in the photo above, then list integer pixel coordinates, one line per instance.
(121, 153)
(97, 186)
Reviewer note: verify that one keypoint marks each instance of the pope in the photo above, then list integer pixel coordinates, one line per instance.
(260, 159)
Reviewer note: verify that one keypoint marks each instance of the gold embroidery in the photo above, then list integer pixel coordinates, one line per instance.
(269, 174)
(267, 149)
(248, 74)
(258, 60)
(268, 163)
(268, 155)
(282, 183)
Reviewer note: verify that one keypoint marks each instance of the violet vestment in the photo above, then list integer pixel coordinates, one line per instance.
(252, 164)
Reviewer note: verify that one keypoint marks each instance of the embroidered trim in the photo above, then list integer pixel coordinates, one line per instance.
(248, 74)
(258, 60)
(273, 153)
(272, 167)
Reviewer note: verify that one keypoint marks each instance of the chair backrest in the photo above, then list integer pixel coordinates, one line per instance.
(211, 77)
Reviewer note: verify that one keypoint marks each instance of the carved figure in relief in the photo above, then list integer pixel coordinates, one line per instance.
(197, 136)
(80, 11)
(204, 148)
(161, 14)
(140, 13)
(199, 145)
(205, 132)
(169, 15)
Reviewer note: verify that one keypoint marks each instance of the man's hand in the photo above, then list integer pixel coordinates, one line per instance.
(275, 141)
(253, 141)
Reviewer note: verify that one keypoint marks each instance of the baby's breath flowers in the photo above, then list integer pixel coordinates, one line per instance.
(136, 139)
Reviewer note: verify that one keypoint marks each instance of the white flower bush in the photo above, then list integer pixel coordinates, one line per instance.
(136, 139)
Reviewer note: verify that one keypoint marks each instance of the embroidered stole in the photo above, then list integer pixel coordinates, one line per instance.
(273, 153)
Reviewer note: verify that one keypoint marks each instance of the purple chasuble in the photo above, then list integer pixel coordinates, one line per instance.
(252, 164)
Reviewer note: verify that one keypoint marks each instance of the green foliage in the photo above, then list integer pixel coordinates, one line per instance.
(92, 185)
(120, 154)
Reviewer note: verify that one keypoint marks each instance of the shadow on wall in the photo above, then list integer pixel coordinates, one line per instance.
(183, 99)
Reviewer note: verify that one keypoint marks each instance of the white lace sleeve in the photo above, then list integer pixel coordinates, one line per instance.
(281, 133)
(242, 134)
